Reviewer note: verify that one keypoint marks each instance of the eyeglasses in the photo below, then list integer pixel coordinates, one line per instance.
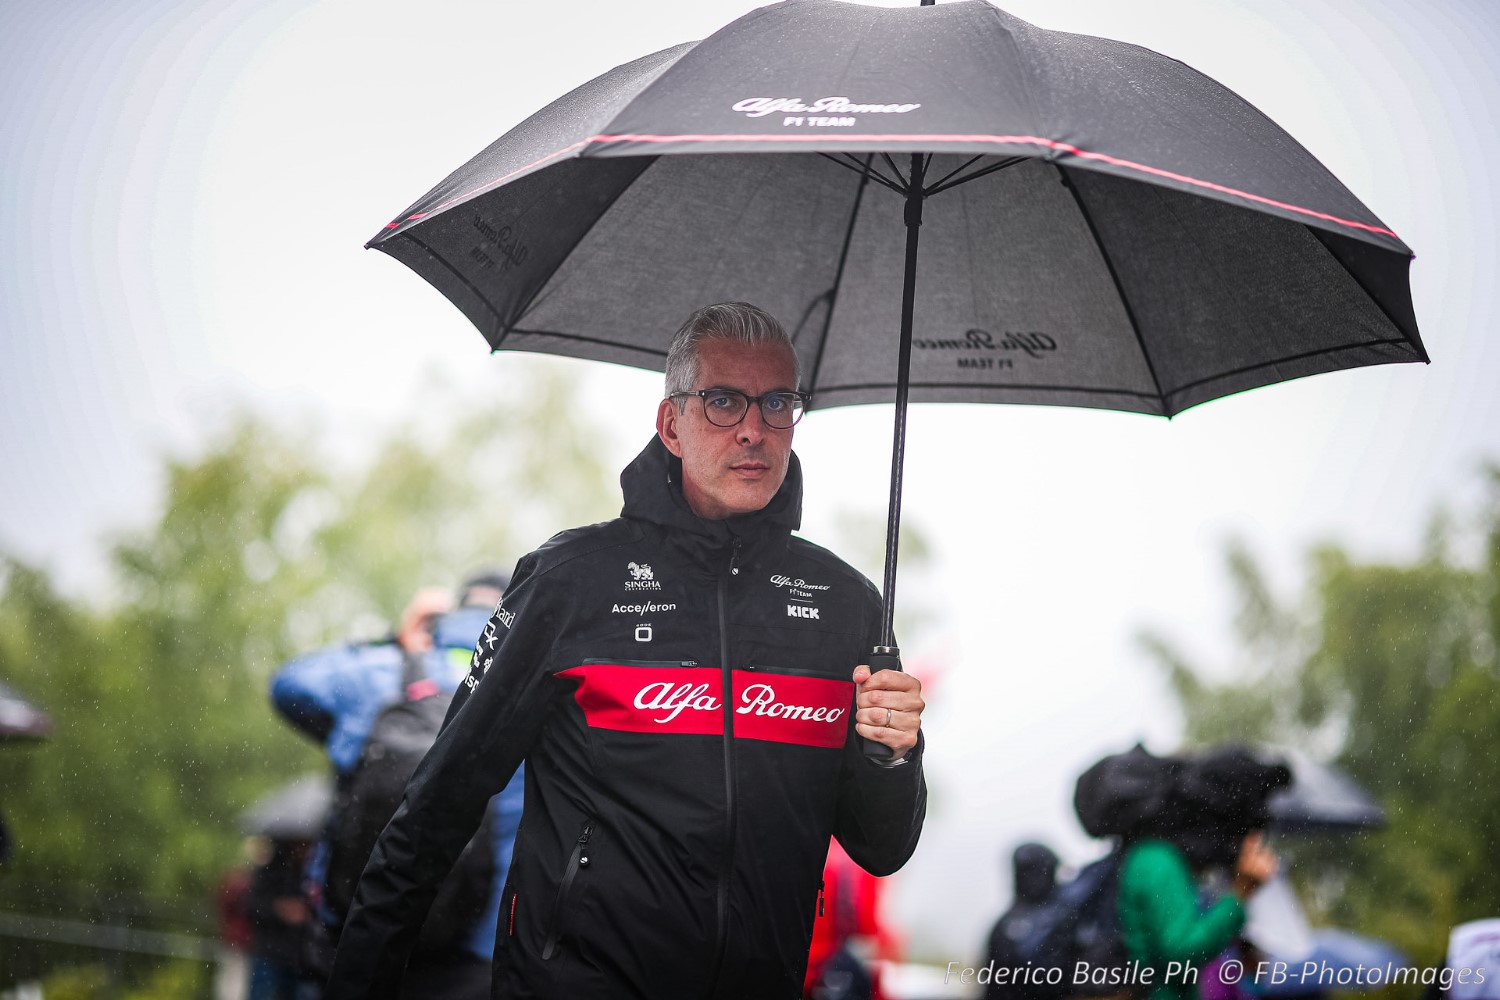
(727, 407)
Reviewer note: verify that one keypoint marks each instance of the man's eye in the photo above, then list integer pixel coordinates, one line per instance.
(721, 401)
(777, 403)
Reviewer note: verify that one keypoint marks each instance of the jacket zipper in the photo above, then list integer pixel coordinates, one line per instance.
(641, 663)
(726, 674)
(577, 861)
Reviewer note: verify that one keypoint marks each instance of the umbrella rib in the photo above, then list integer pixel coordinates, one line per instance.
(938, 184)
(1151, 405)
(1114, 276)
(895, 186)
(1391, 311)
(463, 279)
(1105, 391)
(1385, 342)
(897, 171)
(589, 340)
(838, 274)
(941, 186)
(848, 162)
(860, 168)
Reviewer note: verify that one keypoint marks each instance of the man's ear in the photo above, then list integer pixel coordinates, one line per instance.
(666, 426)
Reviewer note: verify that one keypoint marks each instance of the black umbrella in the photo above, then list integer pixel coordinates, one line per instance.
(1100, 225)
(1322, 799)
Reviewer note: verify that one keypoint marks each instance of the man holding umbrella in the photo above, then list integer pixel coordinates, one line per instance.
(687, 687)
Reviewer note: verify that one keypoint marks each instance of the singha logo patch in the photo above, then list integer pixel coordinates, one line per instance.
(641, 577)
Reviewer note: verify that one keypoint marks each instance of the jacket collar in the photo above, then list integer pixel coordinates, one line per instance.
(652, 485)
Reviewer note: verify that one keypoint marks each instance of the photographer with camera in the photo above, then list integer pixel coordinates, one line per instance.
(375, 708)
(1212, 822)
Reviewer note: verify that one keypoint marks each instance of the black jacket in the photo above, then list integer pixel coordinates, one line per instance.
(672, 840)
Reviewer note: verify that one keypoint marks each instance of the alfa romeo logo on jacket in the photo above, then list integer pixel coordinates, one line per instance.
(684, 701)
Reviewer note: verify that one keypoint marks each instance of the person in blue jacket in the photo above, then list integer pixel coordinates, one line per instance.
(334, 695)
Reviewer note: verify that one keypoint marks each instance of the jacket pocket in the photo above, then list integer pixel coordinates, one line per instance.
(641, 663)
(578, 861)
(829, 674)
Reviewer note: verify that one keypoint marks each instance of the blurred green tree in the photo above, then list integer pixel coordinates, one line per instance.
(157, 683)
(1389, 671)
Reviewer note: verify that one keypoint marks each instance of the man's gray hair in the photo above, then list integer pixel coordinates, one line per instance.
(737, 321)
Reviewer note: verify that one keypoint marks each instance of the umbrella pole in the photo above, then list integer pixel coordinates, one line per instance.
(887, 656)
(903, 377)
(887, 651)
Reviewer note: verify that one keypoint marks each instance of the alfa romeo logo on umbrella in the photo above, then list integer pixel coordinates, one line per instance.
(759, 107)
(825, 111)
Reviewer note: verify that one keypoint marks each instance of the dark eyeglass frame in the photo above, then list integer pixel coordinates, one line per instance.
(802, 398)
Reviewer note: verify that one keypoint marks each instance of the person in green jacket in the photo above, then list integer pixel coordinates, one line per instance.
(1161, 921)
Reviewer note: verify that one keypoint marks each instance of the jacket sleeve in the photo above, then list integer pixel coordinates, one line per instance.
(498, 714)
(880, 809)
(1159, 901)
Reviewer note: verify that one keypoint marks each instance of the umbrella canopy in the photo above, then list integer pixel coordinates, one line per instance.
(1322, 798)
(1103, 225)
(19, 719)
(295, 811)
(1099, 225)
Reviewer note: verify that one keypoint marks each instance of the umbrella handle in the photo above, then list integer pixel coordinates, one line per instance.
(883, 658)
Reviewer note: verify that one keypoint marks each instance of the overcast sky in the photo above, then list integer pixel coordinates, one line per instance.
(185, 190)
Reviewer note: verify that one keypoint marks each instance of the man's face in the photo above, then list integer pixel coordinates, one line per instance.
(730, 470)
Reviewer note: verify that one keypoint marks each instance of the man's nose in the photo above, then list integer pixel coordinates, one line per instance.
(752, 429)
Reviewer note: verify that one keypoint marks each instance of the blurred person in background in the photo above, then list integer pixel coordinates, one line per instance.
(236, 932)
(334, 695)
(1214, 824)
(1034, 869)
(277, 914)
